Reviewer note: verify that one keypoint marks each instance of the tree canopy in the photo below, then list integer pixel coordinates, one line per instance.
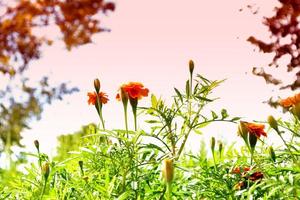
(284, 28)
(20, 43)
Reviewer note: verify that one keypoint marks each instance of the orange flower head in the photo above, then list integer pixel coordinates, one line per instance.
(256, 129)
(135, 90)
(240, 170)
(290, 101)
(93, 98)
(256, 176)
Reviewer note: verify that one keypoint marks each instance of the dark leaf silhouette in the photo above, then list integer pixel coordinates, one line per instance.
(284, 30)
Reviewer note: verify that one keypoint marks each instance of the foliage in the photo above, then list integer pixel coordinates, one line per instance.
(127, 164)
(284, 41)
(72, 142)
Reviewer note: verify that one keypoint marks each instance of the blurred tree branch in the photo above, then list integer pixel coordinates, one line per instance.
(77, 22)
(284, 40)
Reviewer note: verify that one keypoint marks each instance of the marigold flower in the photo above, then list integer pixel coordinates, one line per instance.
(93, 97)
(239, 170)
(135, 90)
(240, 185)
(256, 129)
(256, 176)
(290, 101)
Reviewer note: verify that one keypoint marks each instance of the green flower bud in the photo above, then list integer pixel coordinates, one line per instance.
(243, 130)
(252, 141)
(273, 123)
(220, 147)
(296, 110)
(272, 153)
(46, 170)
(212, 144)
(168, 170)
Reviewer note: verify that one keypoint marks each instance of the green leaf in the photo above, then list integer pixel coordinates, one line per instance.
(152, 121)
(202, 124)
(198, 132)
(204, 79)
(236, 119)
(224, 113)
(153, 101)
(214, 115)
(124, 195)
(154, 146)
(204, 99)
(178, 94)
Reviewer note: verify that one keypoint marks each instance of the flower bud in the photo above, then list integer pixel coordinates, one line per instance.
(252, 141)
(243, 130)
(296, 110)
(191, 66)
(37, 144)
(272, 153)
(220, 147)
(273, 123)
(168, 170)
(124, 96)
(97, 85)
(212, 144)
(46, 170)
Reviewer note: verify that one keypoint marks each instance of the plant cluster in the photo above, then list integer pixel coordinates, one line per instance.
(156, 164)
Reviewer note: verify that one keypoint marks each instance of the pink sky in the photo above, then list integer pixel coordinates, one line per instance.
(152, 42)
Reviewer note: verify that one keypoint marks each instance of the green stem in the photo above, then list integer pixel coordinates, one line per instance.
(40, 160)
(191, 83)
(7, 149)
(169, 191)
(124, 181)
(287, 146)
(99, 110)
(214, 159)
(101, 118)
(43, 190)
(171, 136)
(134, 118)
(126, 120)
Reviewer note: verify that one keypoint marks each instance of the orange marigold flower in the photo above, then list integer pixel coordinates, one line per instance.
(135, 90)
(240, 185)
(256, 176)
(256, 129)
(290, 101)
(93, 97)
(238, 170)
